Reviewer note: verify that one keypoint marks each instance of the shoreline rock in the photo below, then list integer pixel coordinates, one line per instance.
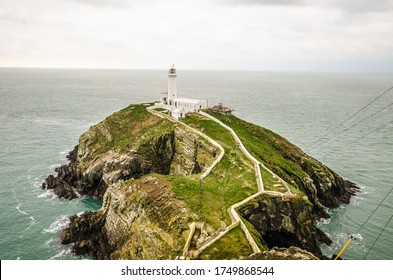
(140, 209)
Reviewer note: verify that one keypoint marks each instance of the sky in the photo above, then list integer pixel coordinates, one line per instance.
(253, 35)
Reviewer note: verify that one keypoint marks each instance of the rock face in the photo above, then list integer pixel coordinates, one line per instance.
(140, 219)
(291, 253)
(131, 160)
(322, 185)
(284, 223)
(97, 163)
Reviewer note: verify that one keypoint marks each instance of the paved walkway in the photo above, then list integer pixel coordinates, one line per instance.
(235, 218)
(232, 209)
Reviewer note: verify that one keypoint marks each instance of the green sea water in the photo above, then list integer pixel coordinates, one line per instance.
(43, 112)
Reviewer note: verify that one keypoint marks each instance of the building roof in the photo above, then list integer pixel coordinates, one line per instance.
(177, 110)
(188, 100)
(221, 108)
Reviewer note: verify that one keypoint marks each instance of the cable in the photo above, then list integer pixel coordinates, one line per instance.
(361, 137)
(351, 237)
(348, 128)
(378, 237)
(374, 210)
(350, 117)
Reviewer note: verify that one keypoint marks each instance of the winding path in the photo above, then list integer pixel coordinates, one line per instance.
(235, 218)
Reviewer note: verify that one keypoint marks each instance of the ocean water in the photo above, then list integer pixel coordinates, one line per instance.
(43, 112)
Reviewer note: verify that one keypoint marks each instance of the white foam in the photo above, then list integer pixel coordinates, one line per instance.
(48, 195)
(324, 221)
(66, 151)
(358, 237)
(20, 211)
(32, 222)
(60, 223)
(48, 242)
(54, 166)
(37, 183)
(62, 253)
(80, 213)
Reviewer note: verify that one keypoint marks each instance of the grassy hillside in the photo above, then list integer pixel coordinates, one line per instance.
(277, 153)
(123, 131)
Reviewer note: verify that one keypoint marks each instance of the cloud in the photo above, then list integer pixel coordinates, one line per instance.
(349, 6)
(198, 34)
(359, 6)
(105, 3)
(267, 2)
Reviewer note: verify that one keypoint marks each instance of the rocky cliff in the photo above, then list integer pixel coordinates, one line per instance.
(139, 219)
(323, 186)
(145, 170)
(284, 223)
(129, 144)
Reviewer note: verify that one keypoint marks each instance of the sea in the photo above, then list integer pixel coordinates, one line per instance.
(44, 111)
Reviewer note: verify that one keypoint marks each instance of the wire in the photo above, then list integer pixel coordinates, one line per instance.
(361, 137)
(378, 237)
(350, 117)
(351, 237)
(348, 128)
(350, 143)
(374, 210)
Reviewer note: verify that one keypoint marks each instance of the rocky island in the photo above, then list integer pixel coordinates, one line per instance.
(185, 189)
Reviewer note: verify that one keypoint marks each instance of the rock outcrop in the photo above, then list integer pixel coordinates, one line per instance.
(323, 186)
(284, 223)
(133, 160)
(104, 155)
(291, 253)
(139, 219)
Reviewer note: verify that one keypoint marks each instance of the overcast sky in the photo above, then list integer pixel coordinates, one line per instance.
(268, 35)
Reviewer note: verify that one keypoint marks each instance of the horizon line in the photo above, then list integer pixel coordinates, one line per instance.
(200, 69)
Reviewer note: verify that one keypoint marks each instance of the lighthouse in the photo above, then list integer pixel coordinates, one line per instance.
(178, 106)
(172, 90)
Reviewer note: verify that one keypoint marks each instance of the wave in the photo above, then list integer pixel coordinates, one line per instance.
(54, 166)
(59, 224)
(32, 222)
(64, 152)
(32, 219)
(61, 254)
(49, 242)
(48, 195)
(324, 221)
(21, 211)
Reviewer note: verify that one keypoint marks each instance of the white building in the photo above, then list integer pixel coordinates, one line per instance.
(179, 106)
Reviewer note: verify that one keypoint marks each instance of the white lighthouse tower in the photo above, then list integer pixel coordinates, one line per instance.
(172, 90)
(178, 106)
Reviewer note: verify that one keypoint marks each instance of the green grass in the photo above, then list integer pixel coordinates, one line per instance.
(232, 180)
(231, 246)
(268, 180)
(274, 151)
(255, 234)
(122, 131)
